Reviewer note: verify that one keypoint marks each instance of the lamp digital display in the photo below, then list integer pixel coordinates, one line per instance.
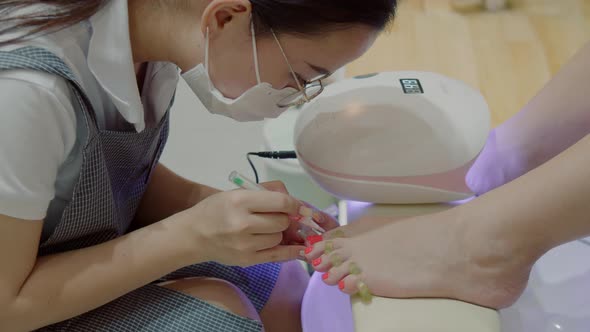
(411, 86)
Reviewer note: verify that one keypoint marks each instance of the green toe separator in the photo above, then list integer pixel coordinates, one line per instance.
(354, 269)
(339, 233)
(336, 260)
(364, 293)
(336, 234)
(366, 298)
(329, 247)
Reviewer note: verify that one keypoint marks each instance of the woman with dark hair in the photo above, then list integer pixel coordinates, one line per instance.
(95, 234)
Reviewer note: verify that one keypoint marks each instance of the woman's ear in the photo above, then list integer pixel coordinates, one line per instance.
(221, 13)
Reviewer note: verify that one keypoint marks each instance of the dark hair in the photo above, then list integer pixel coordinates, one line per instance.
(292, 16)
(53, 16)
(308, 17)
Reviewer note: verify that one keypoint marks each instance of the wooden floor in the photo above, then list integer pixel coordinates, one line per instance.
(507, 55)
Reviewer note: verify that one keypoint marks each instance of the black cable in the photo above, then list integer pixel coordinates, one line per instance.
(252, 165)
(269, 155)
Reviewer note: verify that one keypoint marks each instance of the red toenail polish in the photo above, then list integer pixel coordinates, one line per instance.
(325, 276)
(317, 261)
(341, 284)
(308, 250)
(313, 239)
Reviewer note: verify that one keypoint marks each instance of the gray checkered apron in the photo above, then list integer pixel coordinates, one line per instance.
(115, 172)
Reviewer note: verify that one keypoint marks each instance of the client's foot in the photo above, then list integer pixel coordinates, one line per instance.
(359, 227)
(428, 256)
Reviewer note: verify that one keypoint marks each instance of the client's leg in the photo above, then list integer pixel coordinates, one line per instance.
(555, 119)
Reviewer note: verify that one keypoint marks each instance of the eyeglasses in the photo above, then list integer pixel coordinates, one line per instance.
(308, 90)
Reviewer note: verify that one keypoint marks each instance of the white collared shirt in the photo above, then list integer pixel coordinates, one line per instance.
(38, 158)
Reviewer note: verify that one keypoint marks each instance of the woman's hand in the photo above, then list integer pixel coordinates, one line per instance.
(321, 218)
(241, 227)
(292, 234)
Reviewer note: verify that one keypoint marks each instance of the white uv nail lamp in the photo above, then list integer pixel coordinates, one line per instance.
(393, 137)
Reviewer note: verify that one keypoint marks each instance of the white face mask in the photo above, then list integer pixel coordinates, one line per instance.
(257, 103)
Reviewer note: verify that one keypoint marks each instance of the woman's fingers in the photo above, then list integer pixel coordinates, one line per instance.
(321, 218)
(327, 222)
(266, 241)
(278, 254)
(269, 202)
(268, 223)
(277, 186)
